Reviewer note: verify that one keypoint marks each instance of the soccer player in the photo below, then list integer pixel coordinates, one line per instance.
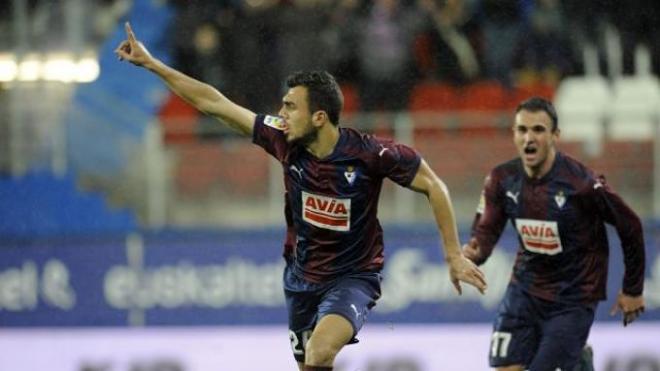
(559, 208)
(332, 176)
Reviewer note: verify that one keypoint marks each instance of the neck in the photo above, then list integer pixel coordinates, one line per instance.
(539, 172)
(325, 142)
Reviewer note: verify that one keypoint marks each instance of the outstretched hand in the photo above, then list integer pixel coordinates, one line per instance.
(631, 307)
(133, 50)
(463, 269)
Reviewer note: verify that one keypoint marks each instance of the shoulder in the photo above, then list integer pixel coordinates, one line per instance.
(507, 169)
(577, 173)
(502, 173)
(365, 144)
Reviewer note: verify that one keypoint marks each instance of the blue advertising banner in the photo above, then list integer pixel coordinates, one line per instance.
(234, 277)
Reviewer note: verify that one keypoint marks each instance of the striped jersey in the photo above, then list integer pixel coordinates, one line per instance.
(331, 203)
(560, 222)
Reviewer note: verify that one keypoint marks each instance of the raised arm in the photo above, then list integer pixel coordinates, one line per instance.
(460, 268)
(200, 95)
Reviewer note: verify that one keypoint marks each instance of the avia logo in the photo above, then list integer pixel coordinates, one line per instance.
(539, 236)
(327, 212)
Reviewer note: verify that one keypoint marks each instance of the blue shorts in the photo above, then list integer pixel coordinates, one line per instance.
(539, 334)
(351, 297)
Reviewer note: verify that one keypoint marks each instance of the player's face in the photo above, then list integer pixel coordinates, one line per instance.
(295, 112)
(535, 140)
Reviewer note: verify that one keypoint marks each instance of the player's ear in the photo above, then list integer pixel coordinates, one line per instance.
(319, 117)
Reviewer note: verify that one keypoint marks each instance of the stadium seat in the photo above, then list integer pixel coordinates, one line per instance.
(526, 91)
(635, 108)
(484, 96)
(351, 98)
(581, 104)
(178, 120)
(434, 97)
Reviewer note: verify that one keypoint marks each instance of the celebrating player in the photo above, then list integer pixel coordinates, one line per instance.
(333, 177)
(559, 209)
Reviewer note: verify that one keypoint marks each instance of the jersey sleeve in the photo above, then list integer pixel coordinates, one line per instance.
(490, 218)
(268, 134)
(398, 162)
(616, 212)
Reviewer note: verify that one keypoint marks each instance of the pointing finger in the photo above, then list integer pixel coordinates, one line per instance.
(129, 32)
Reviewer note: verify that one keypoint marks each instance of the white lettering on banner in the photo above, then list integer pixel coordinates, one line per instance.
(327, 212)
(410, 277)
(539, 236)
(55, 285)
(19, 287)
(237, 282)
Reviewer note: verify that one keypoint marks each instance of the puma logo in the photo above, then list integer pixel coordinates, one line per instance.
(513, 196)
(296, 170)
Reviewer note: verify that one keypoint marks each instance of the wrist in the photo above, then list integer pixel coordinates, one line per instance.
(453, 256)
(152, 64)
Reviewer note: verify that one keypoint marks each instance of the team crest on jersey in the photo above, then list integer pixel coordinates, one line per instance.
(560, 199)
(539, 236)
(350, 175)
(327, 212)
(274, 122)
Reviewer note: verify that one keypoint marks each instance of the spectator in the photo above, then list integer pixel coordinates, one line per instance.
(453, 55)
(502, 29)
(385, 36)
(545, 52)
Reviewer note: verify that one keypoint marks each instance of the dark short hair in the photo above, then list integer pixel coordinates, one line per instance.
(536, 104)
(323, 92)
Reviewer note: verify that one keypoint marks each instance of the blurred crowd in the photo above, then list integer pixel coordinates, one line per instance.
(385, 47)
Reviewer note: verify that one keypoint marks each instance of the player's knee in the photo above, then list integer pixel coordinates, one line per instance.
(319, 352)
(511, 368)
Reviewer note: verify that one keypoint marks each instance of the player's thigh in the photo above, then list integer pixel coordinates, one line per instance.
(351, 298)
(511, 368)
(564, 336)
(331, 333)
(516, 334)
(302, 316)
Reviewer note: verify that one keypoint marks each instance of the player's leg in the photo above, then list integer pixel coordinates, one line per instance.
(564, 337)
(515, 332)
(302, 313)
(330, 335)
(342, 312)
(512, 368)
(586, 362)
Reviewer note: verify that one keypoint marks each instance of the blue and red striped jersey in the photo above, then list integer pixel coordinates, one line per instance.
(560, 221)
(331, 204)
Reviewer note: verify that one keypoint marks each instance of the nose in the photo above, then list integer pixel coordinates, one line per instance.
(282, 112)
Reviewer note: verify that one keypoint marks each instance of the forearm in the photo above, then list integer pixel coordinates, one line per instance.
(203, 97)
(443, 212)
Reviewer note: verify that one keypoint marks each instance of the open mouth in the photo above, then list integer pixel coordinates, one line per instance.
(530, 150)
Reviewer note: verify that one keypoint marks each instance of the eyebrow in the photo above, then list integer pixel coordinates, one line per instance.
(531, 127)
